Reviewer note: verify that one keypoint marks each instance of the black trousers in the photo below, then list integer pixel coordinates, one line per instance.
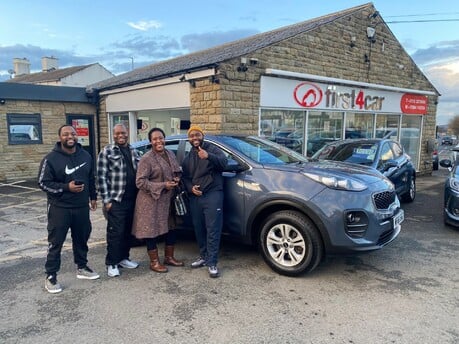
(207, 216)
(119, 226)
(59, 222)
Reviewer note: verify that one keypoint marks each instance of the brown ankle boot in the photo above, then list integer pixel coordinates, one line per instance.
(169, 257)
(155, 265)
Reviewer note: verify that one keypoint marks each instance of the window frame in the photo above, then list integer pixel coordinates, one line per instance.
(33, 120)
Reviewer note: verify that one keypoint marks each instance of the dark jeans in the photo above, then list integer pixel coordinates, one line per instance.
(207, 215)
(119, 225)
(59, 222)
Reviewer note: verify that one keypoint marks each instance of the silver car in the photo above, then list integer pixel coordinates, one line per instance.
(294, 210)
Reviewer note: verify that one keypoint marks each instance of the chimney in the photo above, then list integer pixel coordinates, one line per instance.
(49, 64)
(21, 66)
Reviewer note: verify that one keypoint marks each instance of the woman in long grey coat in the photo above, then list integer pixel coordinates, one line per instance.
(158, 174)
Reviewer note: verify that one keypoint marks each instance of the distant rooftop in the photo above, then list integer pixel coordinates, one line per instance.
(48, 76)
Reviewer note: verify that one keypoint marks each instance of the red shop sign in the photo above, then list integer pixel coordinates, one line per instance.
(413, 104)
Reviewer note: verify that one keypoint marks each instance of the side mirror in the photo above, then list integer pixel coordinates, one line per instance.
(234, 166)
(389, 164)
(446, 163)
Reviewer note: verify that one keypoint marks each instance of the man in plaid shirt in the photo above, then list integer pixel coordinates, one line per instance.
(116, 173)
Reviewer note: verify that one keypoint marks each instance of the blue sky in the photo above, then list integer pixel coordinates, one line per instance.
(120, 33)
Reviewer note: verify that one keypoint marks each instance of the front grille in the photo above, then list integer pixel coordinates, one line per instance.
(384, 199)
(385, 237)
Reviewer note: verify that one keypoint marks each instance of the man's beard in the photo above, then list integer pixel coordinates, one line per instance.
(66, 145)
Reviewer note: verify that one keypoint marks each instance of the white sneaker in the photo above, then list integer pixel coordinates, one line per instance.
(213, 271)
(128, 264)
(113, 271)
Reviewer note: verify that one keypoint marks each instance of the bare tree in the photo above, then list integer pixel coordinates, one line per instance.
(453, 125)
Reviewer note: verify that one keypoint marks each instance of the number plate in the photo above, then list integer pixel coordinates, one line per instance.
(398, 219)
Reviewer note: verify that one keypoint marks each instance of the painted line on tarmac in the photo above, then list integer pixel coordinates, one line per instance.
(22, 204)
(19, 186)
(42, 253)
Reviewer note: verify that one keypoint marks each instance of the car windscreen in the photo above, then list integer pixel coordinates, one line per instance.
(356, 153)
(262, 151)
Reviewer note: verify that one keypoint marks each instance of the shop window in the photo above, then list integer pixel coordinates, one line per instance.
(323, 127)
(173, 122)
(387, 126)
(359, 125)
(285, 127)
(24, 129)
(410, 137)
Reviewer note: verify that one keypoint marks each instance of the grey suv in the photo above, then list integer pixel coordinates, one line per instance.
(294, 210)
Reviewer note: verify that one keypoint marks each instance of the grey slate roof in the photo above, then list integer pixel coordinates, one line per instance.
(54, 75)
(212, 56)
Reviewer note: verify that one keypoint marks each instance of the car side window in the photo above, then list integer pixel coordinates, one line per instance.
(386, 154)
(397, 150)
(188, 149)
(143, 149)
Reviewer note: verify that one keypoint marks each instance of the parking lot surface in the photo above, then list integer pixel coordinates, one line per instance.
(408, 292)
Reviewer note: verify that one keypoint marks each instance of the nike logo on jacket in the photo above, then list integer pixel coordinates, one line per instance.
(71, 170)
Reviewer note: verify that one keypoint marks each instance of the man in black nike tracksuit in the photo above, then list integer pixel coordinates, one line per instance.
(67, 176)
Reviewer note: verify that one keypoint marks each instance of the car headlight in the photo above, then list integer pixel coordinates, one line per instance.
(454, 184)
(337, 183)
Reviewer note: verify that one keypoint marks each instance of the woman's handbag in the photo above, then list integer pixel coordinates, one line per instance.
(180, 202)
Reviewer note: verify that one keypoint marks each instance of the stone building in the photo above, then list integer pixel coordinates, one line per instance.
(30, 116)
(341, 75)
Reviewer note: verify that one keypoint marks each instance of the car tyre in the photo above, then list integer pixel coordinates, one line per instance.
(290, 243)
(410, 195)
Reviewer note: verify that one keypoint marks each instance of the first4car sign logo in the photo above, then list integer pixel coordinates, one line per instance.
(294, 94)
(312, 95)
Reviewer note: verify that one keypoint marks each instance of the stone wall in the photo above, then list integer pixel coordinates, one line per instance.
(23, 161)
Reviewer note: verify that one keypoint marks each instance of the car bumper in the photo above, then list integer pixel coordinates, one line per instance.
(382, 226)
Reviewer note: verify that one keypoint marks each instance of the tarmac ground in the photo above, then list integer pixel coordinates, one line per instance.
(407, 292)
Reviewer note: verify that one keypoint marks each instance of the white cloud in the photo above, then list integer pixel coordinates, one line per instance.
(445, 78)
(144, 25)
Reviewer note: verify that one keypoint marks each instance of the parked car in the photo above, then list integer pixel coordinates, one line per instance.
(386, 156)
(451, 189)
(447, 140)
(289, 137)
(295, 210)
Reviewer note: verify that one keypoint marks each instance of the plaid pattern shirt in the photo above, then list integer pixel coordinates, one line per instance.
(112, 172)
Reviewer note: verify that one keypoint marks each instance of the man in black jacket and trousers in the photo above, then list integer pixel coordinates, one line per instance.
(67, 176)
(202, 176)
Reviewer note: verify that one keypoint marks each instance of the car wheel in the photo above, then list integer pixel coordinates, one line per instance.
(290, 243)
(410, 195)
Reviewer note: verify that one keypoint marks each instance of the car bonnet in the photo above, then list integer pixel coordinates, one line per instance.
(365, 174)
